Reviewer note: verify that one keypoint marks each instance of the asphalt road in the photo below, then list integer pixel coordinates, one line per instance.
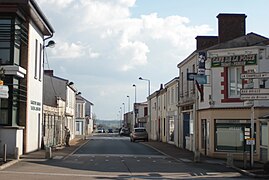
(113, 157)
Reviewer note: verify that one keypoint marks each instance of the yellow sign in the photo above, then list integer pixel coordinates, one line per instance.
(1, 83)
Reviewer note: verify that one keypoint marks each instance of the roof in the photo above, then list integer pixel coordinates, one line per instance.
(30, 9)
(251, 39)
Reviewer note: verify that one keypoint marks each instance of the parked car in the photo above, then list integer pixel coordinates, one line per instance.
(124, 132)
(139, 133)
(110, 131)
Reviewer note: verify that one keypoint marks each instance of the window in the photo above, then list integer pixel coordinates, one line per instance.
(13, 35)
(40, 61)
(5, 36)
(9, 108)
(36, 61)
(231, 136)
(234, 81)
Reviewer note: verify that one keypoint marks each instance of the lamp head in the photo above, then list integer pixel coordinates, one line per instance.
(140, 78)
(51, 44)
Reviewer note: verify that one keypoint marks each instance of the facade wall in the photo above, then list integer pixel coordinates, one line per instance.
(172, 112)
(35, 91)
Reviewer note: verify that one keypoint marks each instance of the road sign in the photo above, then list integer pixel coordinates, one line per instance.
(254, 97)
(255, 75)
(4, 92)
(250, 141)
(255, 91)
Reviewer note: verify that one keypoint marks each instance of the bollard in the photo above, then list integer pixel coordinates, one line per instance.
(245, 154)
(16, 153)
(229, 159)
(48, 153)
(196, 156)
(5, 153)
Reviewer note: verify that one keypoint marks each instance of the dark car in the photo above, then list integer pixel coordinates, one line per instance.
(139, 133)
(110, 130)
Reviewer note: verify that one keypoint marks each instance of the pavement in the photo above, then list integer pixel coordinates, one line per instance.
(167, 149)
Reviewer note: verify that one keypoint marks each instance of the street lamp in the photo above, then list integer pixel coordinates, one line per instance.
(149, 104)
(135, 91)
(134, 108)
(128, 103)
(140, 78)
(50, 44)
(123, 108)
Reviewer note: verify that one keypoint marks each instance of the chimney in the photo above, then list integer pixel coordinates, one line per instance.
(48, 72)
(231, 26)
(203, 42)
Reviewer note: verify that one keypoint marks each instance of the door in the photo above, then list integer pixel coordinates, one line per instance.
(186, 127)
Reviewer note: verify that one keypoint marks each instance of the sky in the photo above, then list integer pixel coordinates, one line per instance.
(104, 46)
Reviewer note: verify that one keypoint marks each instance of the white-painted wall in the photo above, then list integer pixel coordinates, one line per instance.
(34, 94)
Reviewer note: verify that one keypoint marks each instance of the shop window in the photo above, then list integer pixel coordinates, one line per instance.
(231, 136)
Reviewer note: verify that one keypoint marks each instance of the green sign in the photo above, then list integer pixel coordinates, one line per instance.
(235, 60)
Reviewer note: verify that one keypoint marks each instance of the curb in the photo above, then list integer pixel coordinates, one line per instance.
(10, 163)
(244, 172)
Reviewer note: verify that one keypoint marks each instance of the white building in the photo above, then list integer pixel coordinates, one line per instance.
(21, 114)
(84, 121)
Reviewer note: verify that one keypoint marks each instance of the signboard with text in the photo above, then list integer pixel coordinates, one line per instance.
(254, 97)
(263, 75)
(255, 91)
(235, 60)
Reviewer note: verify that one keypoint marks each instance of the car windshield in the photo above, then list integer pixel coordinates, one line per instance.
(140, 130)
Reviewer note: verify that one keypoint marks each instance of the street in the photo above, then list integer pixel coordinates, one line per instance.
(114, 157)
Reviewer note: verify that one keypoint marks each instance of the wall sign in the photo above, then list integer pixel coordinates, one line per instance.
(35, 106)
(235, 60)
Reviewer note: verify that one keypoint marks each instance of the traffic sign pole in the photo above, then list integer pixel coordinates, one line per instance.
(252, 136)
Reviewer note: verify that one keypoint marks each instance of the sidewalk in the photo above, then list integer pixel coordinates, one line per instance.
(184, 155)
(59, 152)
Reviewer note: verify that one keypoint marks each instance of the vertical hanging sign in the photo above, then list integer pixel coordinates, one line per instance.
(201, 63)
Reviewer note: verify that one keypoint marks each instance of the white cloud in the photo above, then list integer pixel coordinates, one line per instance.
(115, 48)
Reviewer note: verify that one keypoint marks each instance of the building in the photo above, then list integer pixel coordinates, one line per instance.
(84, 121)
(24, 30)
(214, 115)
(173, 126)
(59, 109)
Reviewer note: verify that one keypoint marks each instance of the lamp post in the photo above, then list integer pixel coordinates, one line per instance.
(50, 44)
(149, 104)
(128, 103)
(134, 108)
(135, 91)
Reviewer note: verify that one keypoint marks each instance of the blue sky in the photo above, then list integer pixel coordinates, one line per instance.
(104, 46)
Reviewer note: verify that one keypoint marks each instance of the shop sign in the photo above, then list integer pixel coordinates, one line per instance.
(235, 60)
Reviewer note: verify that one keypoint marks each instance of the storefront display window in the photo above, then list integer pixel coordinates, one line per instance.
(230, 135)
